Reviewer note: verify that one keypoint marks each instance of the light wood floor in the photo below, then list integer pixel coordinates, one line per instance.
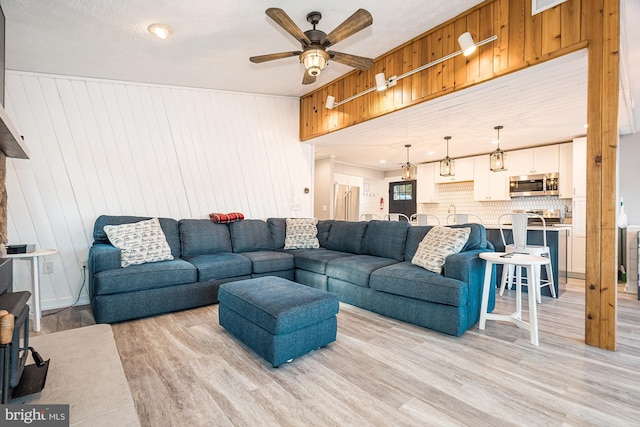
(184, 369)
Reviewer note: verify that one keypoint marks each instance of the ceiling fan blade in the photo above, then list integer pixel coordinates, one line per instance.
(282, 19)
(358, 62)
(356, 22)
(272, 56)
(307, 79)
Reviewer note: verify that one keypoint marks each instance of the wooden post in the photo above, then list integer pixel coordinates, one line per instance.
(602, 24)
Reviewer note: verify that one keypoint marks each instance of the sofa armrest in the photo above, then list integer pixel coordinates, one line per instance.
(103, 256)
(468, 267)
(464, 266)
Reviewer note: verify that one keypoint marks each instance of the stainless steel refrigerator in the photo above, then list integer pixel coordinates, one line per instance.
(346, 202)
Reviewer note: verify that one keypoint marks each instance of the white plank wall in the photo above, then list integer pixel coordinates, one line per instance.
(107, 147)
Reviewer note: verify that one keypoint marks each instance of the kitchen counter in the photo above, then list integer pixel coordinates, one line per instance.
(557, 240)
(551, 228)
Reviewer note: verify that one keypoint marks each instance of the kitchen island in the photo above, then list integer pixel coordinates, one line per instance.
(557, 240)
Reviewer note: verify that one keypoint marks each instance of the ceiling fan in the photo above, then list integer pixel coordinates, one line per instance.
(314, 55)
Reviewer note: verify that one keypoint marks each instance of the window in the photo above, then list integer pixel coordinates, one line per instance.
(403, 192)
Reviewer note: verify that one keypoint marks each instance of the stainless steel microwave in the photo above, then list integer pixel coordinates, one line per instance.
(545, 184)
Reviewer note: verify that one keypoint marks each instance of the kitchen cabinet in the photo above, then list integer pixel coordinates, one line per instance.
(533, 161)
(579, 235)
(579, 167)
(464, 171)
(488, 185)
(565, 171)
(352, 181)
(427, 191)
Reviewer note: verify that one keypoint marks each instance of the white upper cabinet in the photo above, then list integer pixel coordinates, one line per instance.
(579, 167)
(488, 185)
(533, 161)
(426, 191)
(565, 171)
(463, 170)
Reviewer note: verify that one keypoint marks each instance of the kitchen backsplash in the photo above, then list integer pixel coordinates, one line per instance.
(460, 195)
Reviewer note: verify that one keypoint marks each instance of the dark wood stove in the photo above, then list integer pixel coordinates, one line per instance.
(16, 379)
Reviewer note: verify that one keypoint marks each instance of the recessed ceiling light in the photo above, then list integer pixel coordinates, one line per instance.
(161, 31)
(383, 161)
(430, 153)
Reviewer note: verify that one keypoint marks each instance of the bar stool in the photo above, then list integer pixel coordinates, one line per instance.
(396, 217)
(519, 222)
(423, 219)
(368, 217)
(462, 218)
(531, 264)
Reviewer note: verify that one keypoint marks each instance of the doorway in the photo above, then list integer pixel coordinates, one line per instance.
(402, 198)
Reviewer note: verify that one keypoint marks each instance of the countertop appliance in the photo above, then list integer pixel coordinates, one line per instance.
(545, 184)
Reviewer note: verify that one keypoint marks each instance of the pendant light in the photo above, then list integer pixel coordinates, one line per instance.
(498, 161)
(407, 170)
(447, 165)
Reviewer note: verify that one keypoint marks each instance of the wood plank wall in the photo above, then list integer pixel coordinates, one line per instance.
(105, 147)
(523, 40)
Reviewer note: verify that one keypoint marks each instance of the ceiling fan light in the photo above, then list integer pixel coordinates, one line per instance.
(162, 31)
(467, 44)
(314, 61)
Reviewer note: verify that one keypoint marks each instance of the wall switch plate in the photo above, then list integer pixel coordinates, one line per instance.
(47, 267)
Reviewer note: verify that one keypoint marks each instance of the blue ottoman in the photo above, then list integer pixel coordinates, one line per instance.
(277, 318)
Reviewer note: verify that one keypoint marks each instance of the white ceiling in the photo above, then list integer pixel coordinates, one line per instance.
(214, 39)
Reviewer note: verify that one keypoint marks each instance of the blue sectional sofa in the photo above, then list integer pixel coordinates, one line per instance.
(366, 264)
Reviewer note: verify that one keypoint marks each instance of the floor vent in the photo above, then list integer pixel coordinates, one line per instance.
(538, 6)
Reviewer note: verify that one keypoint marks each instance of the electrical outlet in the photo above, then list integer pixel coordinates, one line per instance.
(47, 267)
(85, 263)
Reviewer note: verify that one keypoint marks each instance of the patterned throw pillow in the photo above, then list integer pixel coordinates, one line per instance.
(437, 245)
(301, 233)
(139, 242)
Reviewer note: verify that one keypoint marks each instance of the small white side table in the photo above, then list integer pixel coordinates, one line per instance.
(34, 257)
(532, 263)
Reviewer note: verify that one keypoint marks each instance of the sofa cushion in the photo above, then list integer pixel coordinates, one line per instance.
(324, 225)
(477, 238)
(250, 235)
(356, 269)
(169, 227)
(269, 261)
(139, 242)
(346, 236)
(278, 229)
(222, 265)
(437, 245)
(413, 281)
(302, 233)
(144, 276)
(316, 260)
(201, 237)
(385, 239)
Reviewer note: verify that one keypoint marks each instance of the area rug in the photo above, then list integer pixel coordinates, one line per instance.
(85, 372)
